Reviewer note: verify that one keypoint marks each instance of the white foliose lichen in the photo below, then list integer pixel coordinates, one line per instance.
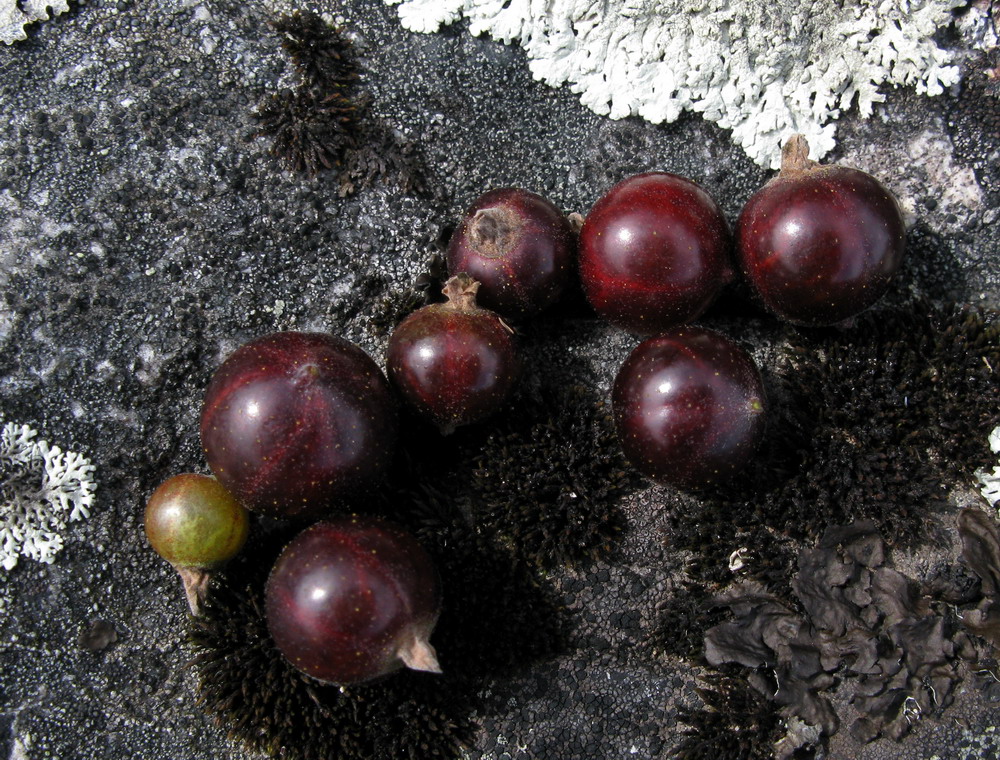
(41, 488)
(764, 70)
(17, 14)
(990, 481)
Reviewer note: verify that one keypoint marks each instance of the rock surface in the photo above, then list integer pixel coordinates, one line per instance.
(145, 233)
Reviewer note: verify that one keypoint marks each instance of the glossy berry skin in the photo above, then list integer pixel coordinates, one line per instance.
(193, 521)
(454, 363)
(353, 599)
(293, 422)
(689, 407)
(654, 252)
(519, 246)
(820, 244)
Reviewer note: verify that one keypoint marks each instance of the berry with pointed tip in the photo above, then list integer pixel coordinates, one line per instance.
(654, 252)
(820, 244)
(689, 407)
(196, 525)
(519, 246)
(294, 422)
(353, 599)
(453, 362)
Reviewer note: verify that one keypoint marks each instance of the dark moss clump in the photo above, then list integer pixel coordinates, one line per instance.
(322, 55)
(496, 618)
(309, 130)
(682, 621)
(873, 422)
(549, 479)
(381, 152)
(313, 125)
(736, 723)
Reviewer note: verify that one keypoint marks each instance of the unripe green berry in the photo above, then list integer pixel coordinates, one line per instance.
(193, 521)
(196, 525)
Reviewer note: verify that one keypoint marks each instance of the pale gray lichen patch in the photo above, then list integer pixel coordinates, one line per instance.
(990, 481)
(762, 72)
(41, 489)
(17, 14)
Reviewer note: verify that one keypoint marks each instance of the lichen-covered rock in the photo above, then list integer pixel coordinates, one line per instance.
(764, 75)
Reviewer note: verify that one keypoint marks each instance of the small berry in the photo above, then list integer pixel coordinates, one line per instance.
(354, 599)
(689, 407)
(820, 244)
(519, 247)
(654, 252)
(454, 362)
(196, 525)
(294, 422)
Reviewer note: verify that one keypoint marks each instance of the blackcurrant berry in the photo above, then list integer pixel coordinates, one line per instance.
(294, 422)
(689, 407)
(520, 248)
(454, 363)
(654, 252)
(820, 244)
(354, 599)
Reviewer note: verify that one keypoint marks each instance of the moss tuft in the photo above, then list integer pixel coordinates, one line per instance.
(549, 479)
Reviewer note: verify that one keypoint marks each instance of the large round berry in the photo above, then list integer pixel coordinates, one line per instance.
(454, 363)
(654, 252)
(354, 599)
(689, 407)
(820, 244)
(293, 422)
(520, 248)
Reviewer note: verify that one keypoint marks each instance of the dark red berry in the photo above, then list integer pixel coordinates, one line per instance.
(820, 244)
(520, 248)
(454, 362)
(654, 252)
(293, 422)
(354, 599)
(689, 407)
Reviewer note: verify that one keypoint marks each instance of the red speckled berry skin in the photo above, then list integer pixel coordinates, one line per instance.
(654, 253)
(346, 595)
(689, 407)
(535, 259)
(821, 246)
(453, 367)
(293, 422)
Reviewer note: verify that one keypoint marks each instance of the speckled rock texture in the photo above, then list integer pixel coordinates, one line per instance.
(145, 233)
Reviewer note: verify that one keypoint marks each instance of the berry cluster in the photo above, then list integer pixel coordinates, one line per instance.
(296, 424)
